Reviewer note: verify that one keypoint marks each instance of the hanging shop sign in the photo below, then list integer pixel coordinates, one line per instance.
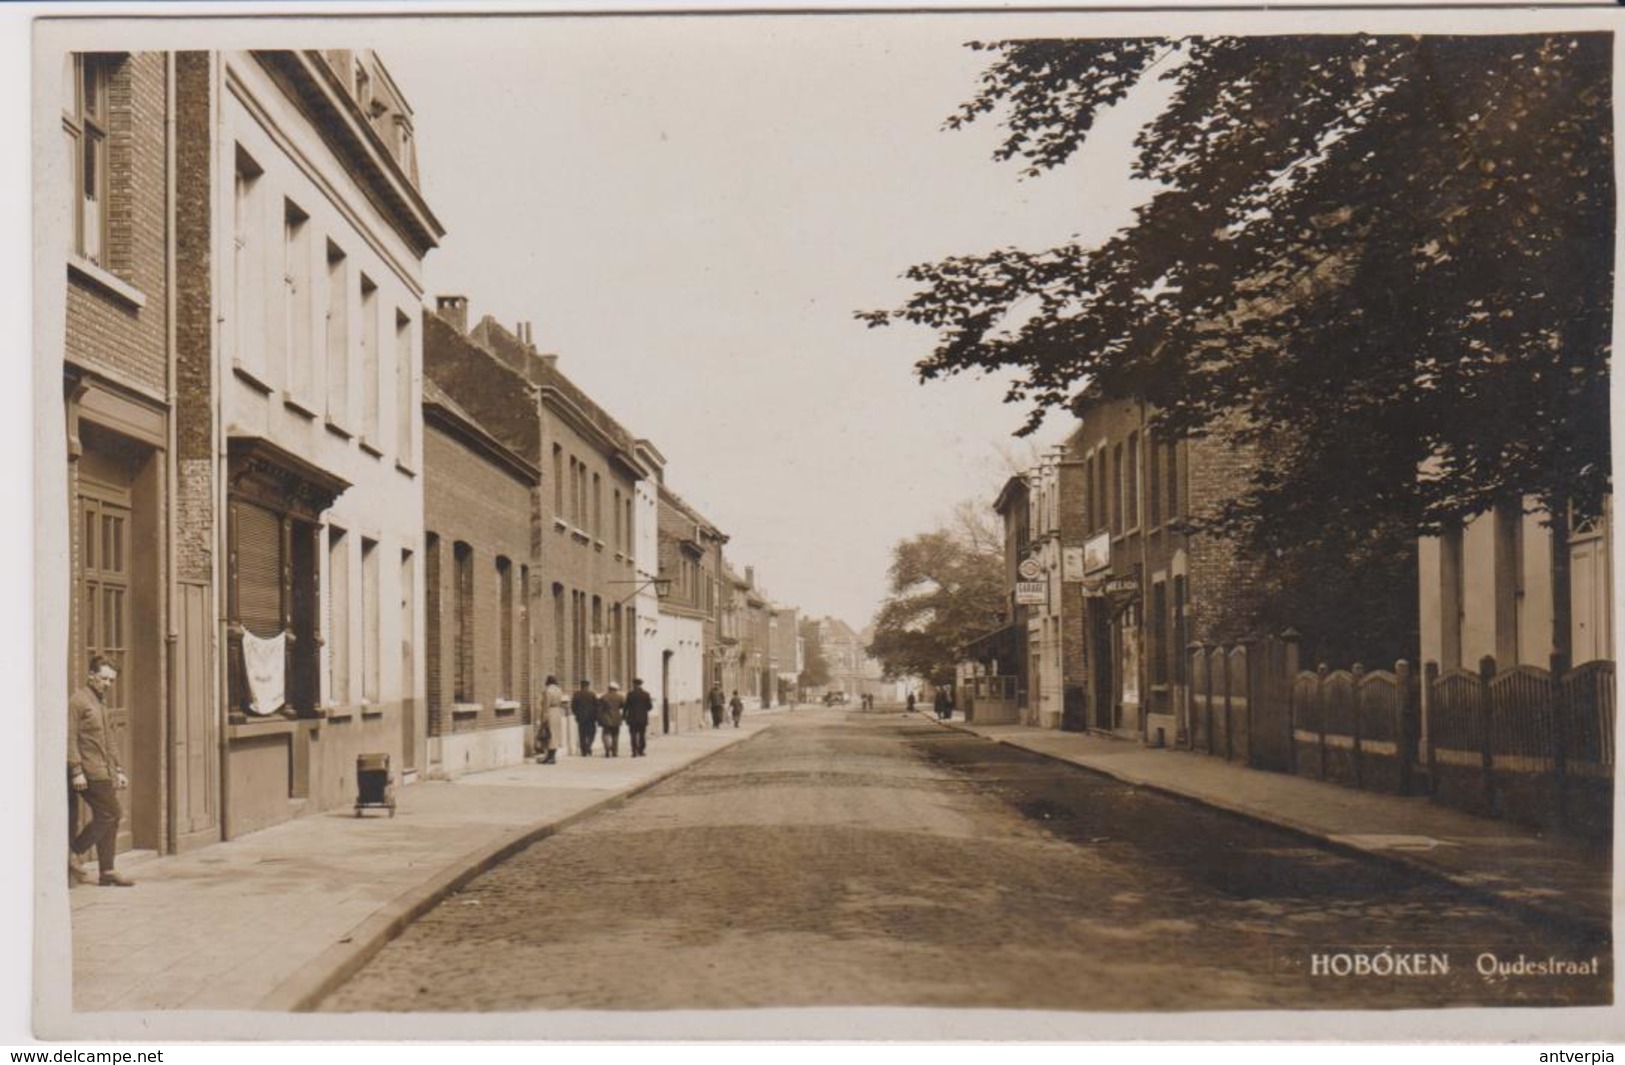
(1072, 568)
(1030, 569)
(1032, 593)
(1123, 586)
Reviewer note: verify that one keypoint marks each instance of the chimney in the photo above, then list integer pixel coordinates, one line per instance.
(750, 576)
(454, 311)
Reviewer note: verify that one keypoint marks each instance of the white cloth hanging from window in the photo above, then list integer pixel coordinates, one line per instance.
(265, 661)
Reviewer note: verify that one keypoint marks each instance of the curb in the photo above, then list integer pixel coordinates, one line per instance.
(322, 975)
(1584, 925)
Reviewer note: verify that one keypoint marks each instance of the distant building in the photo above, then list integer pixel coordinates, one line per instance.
(690, 553)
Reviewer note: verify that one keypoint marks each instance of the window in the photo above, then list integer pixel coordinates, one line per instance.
(338, 617)
(1159, 649)
(578, 640)
(560, 627)
(273, 584)
(1508, 553)
(619, 542)
(524, 635)
(505, 624)
(1131, 483)
(432, 623)
(575, 492)
(1173, 479)
(404, 403)
(1180, 641)
(248, 261)
(369, 360)
(558, 482)
(371, 647)
(1117, 489)
(338, 336)
(597, 507)
(1090, 513)
(628, 527)
(296, 332)
(463, 624)
(1153, 491)
(598, 664)
(85, 125)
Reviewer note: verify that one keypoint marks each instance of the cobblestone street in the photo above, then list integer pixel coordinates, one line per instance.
(850, 859)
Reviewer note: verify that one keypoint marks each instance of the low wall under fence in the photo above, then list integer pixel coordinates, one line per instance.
(1527, 744)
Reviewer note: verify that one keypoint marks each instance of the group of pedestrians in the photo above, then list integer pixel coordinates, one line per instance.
(714, 703)
(596, 717)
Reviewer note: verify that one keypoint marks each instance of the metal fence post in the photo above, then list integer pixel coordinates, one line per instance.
(1430, 677)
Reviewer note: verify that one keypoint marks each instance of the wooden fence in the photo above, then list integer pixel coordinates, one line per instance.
(1527, 744)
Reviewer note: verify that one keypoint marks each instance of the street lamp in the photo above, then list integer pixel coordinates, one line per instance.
(662, 586)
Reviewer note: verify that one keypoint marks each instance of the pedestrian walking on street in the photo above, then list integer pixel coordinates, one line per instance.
(944, 708)
(611, 712)
(584, 708)
(552, 721)
(736, 705)
(95, 775)
(911, 701)
(639, 705)
(714, 702)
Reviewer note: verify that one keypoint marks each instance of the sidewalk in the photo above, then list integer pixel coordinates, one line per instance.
(278, 918)
(1552, 879)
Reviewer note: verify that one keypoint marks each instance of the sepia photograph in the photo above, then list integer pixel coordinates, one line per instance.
(733, 525)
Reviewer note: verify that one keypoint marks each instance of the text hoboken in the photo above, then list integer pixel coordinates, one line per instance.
(1384, 963)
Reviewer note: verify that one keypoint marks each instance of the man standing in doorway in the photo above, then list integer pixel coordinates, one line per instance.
(638, 707)
(95, 775)
(584, 708)
(715, 703)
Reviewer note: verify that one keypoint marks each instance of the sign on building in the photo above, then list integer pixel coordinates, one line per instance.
(1032, 593)
(1097, 552)
(1072, 567)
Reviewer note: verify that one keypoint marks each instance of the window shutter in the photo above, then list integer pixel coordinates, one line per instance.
(259, 570)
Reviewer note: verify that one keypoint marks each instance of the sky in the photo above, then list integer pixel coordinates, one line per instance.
(688, 210)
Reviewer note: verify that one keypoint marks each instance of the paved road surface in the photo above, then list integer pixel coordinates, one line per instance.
(845, 859)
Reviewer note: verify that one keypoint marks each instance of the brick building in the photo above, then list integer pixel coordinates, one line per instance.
(477, 516)
(1034, 665)
(118, 384)
(586, 591)
(301, 234)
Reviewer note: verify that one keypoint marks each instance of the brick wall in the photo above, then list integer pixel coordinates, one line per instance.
(194, 325)
(468, 499)
(1224, 586)
(104, 331)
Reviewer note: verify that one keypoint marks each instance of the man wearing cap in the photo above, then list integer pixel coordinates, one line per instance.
(638, 706)
(95, 775)
(584, 708)
(610, 714)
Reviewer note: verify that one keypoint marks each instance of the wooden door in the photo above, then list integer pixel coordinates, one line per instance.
(104, 582)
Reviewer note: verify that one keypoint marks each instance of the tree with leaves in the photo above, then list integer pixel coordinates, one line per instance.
(1383, 263)
(946, 588)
